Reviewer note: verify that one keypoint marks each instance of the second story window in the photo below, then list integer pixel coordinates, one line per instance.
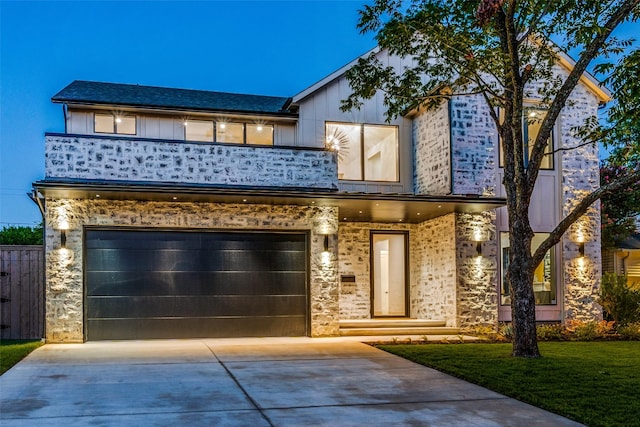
(109, 123)
(198, 130)
(228, 132)
(530, 129)
(365, 152)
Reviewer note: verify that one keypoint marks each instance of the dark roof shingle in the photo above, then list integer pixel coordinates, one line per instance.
(85, 92)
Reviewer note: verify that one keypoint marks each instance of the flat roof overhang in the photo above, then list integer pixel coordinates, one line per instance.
(353, 207)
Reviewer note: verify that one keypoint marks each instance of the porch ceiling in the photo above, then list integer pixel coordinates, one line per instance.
(353, 207)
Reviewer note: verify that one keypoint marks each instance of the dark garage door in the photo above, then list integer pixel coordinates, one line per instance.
(170, 284)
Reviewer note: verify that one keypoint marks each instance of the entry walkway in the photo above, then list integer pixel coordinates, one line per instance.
(245, 382)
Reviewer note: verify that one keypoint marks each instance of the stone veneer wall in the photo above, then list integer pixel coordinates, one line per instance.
(64, 267)
(581, 175)
(122, 159)
(446, 280)
(432, 148)
(477, 278)
(433, 270)
(474, 139)
(354, 259)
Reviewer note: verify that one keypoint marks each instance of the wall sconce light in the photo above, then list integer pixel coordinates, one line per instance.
(326, 243)
(581, 249)
(63, 239)
(478, 248)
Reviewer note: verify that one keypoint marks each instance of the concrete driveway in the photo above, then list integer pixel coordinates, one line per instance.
(245, 382)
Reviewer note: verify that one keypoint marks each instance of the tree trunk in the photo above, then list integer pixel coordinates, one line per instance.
(520, 278)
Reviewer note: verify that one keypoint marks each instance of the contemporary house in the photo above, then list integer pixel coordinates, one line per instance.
(177, 213)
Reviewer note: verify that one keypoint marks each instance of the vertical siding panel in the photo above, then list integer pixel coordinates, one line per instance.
(16, 294)
(5, 294)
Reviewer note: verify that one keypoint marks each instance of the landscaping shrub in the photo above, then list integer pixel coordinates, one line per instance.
(506, 330)
(550, 331)
(619, 301)
(630, 331)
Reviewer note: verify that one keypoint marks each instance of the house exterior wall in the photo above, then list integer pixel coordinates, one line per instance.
(434, 270)
(575, 173)
(432, 147)
(447, 282)
(170, 127)
(581, 175)
(477, 276)
(323, 106)
(354, 251)
(124, 159)
(64, 267)
(474, 142)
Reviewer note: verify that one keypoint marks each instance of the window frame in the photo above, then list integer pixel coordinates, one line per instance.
(362, 149)
(525, 137)
(213, 130)
(114, 119)
(504, 264)
(214, 122)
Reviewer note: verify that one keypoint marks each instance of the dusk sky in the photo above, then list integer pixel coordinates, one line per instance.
(259, 47)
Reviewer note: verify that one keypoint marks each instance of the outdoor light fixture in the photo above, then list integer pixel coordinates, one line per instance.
(63, 239)
(478, 248)
(581, 249)
(326, 243)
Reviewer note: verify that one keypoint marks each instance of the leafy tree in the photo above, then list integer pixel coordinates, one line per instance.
(496, 49)
(21, 235)
(619, 210)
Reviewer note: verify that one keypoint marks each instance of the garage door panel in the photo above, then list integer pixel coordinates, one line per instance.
(205, 306)
(192, 259)
(145, 278)
(131, 329)
(100, 283)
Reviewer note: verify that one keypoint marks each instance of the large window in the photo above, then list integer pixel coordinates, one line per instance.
(544, 276)
(365, 152)
(228, 132)
(109, 123)
(530, 129)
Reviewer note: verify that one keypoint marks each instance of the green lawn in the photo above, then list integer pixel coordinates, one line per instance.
(13, 351)
(595, 383)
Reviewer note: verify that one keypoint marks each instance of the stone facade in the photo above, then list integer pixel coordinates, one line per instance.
(580, 176)
(474, 142)
(433, 270)
(447, 281)
(432, 148)
(64, 267)
(129, 159)
(354, 259)
(477, 279)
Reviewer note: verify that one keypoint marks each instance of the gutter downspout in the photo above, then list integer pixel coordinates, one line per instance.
(39, 200)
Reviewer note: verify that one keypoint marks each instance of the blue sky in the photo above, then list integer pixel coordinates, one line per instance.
(260, 47)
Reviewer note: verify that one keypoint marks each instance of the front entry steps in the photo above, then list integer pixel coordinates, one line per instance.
(395, 327)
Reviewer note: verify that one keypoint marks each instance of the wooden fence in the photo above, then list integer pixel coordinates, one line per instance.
(21, 292)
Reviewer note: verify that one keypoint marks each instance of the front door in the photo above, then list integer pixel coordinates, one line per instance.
(389, 278)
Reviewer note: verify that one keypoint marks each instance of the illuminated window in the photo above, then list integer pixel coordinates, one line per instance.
(530, 130)
(230, 132)
(365, 152)
(544, 276)
(198, 130)
(259, 134)
(109, 123)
